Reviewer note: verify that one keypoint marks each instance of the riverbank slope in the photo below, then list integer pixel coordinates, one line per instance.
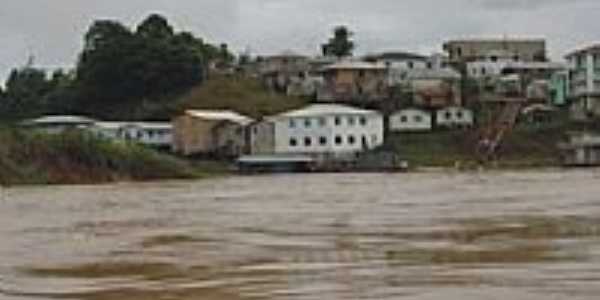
(79, 158)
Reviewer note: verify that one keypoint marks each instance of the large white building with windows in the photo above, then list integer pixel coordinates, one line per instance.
(318, 129)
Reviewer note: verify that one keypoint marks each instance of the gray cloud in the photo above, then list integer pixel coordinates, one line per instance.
(52, 30)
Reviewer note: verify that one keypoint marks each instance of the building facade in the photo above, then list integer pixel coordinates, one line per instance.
(210, 132)
(454, 117)
(153, 134)
(584, 85)
(318, 129)
(467, 50)
(353, 82)
(411, 120)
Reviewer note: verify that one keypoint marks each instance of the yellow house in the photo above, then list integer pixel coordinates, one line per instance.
(210, 132)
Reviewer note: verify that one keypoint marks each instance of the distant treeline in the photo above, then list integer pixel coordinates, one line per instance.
(119, 72)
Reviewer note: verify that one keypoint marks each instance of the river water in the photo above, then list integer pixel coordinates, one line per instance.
(497, 235)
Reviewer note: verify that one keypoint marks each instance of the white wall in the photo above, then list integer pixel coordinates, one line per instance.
(411, 120)
(369, 126)
(454, 117)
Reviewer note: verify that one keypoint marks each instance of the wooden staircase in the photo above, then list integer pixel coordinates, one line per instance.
(491, 137)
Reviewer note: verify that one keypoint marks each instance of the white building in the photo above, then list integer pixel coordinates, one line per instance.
(318, 129)
(155, 134)
(411, 120)
(497, 63)
(454, 117)
(584, 86)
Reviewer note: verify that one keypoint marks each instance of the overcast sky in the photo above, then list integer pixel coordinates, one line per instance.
(52, 30)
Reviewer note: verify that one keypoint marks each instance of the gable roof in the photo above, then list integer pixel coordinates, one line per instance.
(399, 55)
(220, 115)
(324, 110)
(354, 65)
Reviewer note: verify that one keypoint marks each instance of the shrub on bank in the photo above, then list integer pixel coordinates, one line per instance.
(77, 157)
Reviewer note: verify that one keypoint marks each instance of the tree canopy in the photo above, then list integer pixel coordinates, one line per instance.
(341, 44)
(119, 70)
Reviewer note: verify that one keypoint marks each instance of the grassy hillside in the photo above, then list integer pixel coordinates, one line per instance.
(241, 94)
(76, 158)
(522, 148)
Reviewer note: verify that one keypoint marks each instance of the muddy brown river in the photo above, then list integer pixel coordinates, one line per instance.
(497, 235)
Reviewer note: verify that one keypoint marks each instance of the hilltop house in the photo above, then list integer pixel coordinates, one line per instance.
(411, 120)
(318, 129)
(353, 82)
(584, 85)
(210, 132)
(435, 88)
(467, 50)
(285, 72)
(454, 117)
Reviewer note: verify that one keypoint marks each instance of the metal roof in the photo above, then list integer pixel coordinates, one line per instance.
(354, 65)
(60, 119)
(220, 115)
(325, 109)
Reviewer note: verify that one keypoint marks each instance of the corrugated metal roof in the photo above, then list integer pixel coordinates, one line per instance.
(220, 115)
(326, 109)
(60, 119)
(354, 65)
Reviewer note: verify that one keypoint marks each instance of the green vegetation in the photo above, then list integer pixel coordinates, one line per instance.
(523, 147)
(120, 72)
(76, 158)
(241, 94)
(340, 44)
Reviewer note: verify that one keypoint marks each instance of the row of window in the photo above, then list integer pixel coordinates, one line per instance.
(323, 141)
(459, 115)
(322, 122)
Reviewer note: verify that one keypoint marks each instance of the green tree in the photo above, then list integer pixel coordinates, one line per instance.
(340, 45)
(155, 27)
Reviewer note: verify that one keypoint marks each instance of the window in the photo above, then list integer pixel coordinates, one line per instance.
(483, 71)
(361, 73)
(338, 140)
(351, 140)
(403, 119)
(459, 115)
(307, 141)
(363, 121)
(322, 122)
(323, 141)
(374, 139)
(292, 123)
(459, 52)
(338, 121)
(307, 123)
(494, 58)
(293, 142)
(351, 121)
(429, 65)
(411, 64)
(418, 119)
(448, 115)
(516, 58)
